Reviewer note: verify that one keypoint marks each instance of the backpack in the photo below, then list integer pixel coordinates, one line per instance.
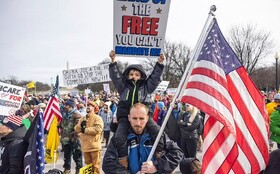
(54, 171)
(201, 125)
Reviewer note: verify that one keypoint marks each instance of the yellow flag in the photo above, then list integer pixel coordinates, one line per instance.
(51, 153)
(31, 85)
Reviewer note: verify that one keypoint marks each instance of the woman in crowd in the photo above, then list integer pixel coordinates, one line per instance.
(189, 123)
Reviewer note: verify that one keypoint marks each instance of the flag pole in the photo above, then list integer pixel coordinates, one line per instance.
(182, 82)
(35, 89)
(54, 158)
(194, 56)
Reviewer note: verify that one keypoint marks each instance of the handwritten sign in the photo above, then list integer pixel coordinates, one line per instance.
(93, 74)
(140, 26)
(10, 98)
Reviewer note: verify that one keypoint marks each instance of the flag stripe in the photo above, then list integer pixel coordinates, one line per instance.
(52, 110)
(242, 164)
(254, 126)
(211, 91)
(231, 156)
(251, 150)
(237, 168)
(250, 107)
(210, 73)
(253, 92)
(224, 140)
(15, 119)
(204, 104)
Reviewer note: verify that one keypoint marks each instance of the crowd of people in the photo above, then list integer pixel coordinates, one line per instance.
(134, 113)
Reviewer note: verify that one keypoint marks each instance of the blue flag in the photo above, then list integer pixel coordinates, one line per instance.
(34, 158)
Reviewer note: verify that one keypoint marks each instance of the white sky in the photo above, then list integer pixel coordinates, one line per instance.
(38, 37)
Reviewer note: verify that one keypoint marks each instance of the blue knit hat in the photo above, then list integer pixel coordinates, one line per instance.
(71, 103)
(161, 105)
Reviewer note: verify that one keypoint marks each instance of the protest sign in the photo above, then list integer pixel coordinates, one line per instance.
(88, 169)
(106, 88)
(88, 91)
(162, 86)
(139, 27)
(93, 74)
(10, 98)
(74, 93)
(171, 91)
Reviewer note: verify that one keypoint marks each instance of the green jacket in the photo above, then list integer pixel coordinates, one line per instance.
(275, 126)
(69, 121)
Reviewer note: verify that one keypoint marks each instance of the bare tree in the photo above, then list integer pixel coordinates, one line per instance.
(250, 45)
(177, 56)
(264, 82)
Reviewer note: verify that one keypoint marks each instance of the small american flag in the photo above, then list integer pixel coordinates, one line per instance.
(52, 108)
(15, 119)
(236, 122)
(56, 86)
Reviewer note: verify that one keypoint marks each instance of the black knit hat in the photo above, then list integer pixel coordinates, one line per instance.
(31, 102)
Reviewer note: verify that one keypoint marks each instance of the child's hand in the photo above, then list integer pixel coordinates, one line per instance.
(161, 58)
(112, 56)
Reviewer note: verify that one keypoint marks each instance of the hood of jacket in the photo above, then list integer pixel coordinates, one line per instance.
(16, 134)
(137, 67)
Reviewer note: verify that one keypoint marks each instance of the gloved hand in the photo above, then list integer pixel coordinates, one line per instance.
(83, 126)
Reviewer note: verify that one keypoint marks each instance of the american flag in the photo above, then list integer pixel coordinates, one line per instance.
(34, 160)
(236, 122)
(52, 108)
(15, 119)
(55, 88)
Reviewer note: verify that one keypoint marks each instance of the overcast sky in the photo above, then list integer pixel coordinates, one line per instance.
(38, 37)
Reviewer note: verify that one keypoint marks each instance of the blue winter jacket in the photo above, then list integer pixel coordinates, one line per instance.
(139, 148)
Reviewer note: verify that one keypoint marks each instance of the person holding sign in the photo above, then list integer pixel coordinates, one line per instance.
(140, 143)
(133, 87)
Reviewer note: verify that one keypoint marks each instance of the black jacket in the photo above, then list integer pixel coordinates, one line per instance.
(12, 151)
(166, 163)
(188, 131)
(171, 128)
(132, 92)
